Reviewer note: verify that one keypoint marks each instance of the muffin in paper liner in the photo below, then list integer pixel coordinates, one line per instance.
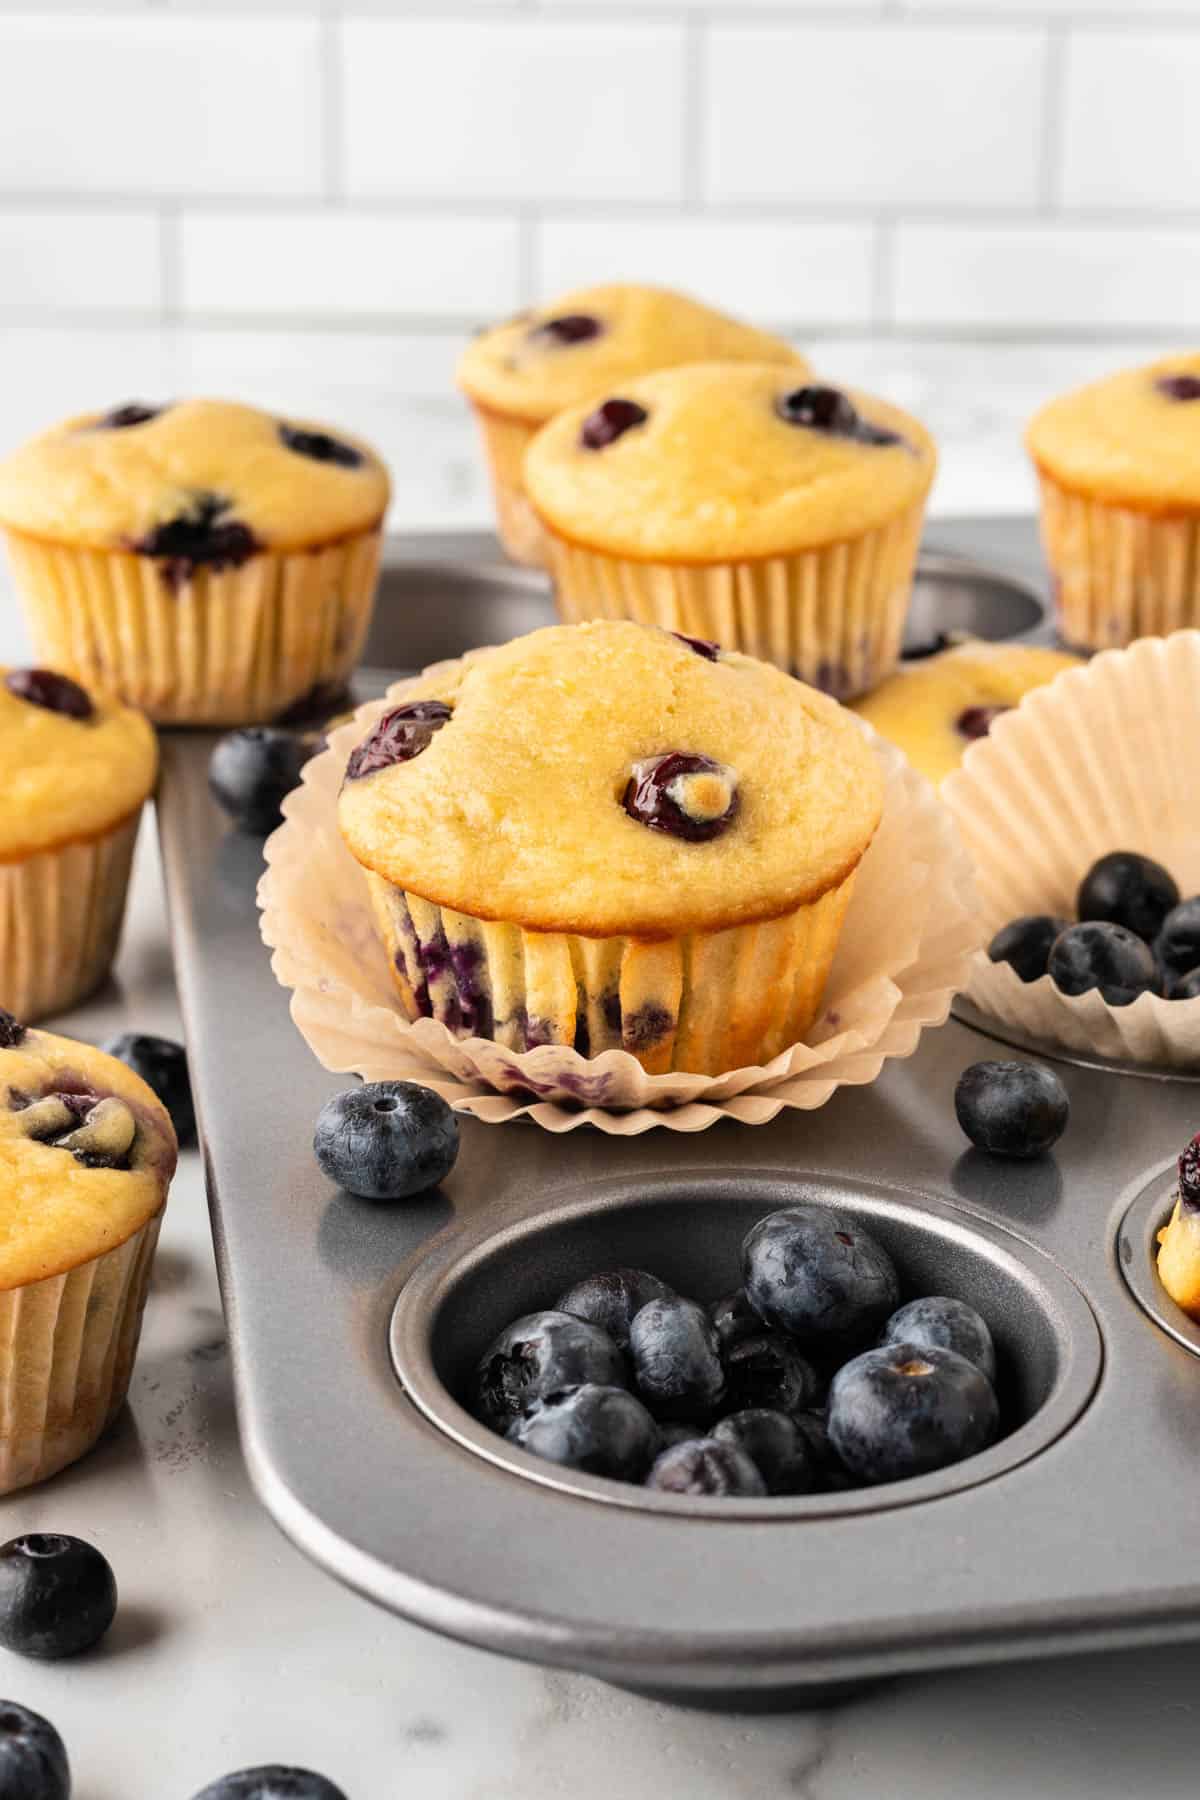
(505, 441)
(1102, 759)
(1118, 573)
(213, 646)
(832, 616)
(61, 913)
(904, 949)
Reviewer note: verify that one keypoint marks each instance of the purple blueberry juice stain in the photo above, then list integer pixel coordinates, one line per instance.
(647, 1025)
(204, 537)
(610, 421)
(833, 678)
(397, 737)
(55, 693)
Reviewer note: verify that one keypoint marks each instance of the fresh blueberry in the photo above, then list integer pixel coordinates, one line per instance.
(828, 409)
(832, 1474)
(1126, 889)
(976, 721)
(708, 1467)
(815, 1272)
(776, 1446)
(163, 1066)
(1179, 387)
(688, 795)
(768, 1371)
(950, 1324)
(905, 1409)
(203, 537)
(1177, 945)
(399, 736)
(386, 1140)
(251, 772)
(1014, 1109)
(568, 328)
(733, 1318)
(46, 688)
(704, 647)
(12, 1032)
(33, 1758)
(270, 1782)
(610, 421)
(1025, 943)
(538, 1355)
(611, 1299)
(676, 1359)
(1187, 987)
(1104, 956)
(678, 1431)
(57, 1595)
(320, 447)
(121, 418)
(602, 1430)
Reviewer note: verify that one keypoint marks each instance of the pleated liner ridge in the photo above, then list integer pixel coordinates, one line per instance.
(67, 1347)
(505, 441)
(704, 1002)
(221, 647)
(1118, 574)
(61, 913)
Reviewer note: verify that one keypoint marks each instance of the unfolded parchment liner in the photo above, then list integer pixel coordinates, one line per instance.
(906, 947)
(1105, 758)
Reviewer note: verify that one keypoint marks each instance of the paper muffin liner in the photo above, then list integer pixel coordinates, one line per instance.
(832, 616)
(67, 1348)
(1118, 574)
(61, 913)
(905, 948)
(1102, 759)
(505, 441)
(222, 647)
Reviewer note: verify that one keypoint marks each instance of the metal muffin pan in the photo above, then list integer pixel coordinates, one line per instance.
(1137, 1248)
(1079, 1541)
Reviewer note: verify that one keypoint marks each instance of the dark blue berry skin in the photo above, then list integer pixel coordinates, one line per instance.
(816, 1273)
(1108, 957)
(768, 1371)
(1025, 943)
(386, 1140)
(1126, 889)
(251, 773)
(541, 1354)
(676, 1359)
(611, 420)
(611, 1299)
(950, 1324)
(33, 1758)
(320, 447)
(1187, 987)
(707, 1467)
(832, 1474)
(271, 1782)
(1177, 945)
(776, 1446)
(733, 1318)
(678, 1431)
(163, 1066)
(12, 1032)
(58, 1595)
(907, 1409)
(1011, 1108)
(568, 328)
(51, 691)
(602, 1430)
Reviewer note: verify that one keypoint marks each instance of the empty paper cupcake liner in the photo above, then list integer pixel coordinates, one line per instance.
(1119, 574)
(904, 950)
(1102, 759)
(61, 913)
(236, 646)
(833, 616)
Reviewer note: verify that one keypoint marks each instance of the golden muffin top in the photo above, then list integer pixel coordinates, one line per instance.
(197, 481)
(72, 764)
(86, 1153)
(612, 778)
(725, 460)
(934, 708)
(1132, 439)
(557, 355)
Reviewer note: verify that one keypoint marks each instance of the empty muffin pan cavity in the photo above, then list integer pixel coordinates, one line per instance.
(1137, 1258)
(688, 1230)
(999, 1033)
(954, 598)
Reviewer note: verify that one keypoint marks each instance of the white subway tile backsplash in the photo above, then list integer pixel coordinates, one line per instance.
(79, 260)
(882, 115)
(1050, 275)
(1131, 125)
(48, 373)
(158, 105)
(785, 272)
(520, 108)
(356, 374)
(347, 264)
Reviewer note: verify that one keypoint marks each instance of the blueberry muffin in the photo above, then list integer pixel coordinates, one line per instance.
(87, 1154)
(934, 708)
(519, 374)
(1118, 463)
(607, 836)
(734, 502)
(75, 768)
(208, 562)
(1179, 1240)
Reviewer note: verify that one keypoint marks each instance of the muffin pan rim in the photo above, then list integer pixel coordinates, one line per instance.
(1137, 1248)
(967, 1013)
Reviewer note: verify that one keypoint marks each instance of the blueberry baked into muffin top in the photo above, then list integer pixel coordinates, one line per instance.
(1129, 440)
(192, 483)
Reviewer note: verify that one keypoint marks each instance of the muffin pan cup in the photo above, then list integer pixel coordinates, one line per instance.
(1073, 1532)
